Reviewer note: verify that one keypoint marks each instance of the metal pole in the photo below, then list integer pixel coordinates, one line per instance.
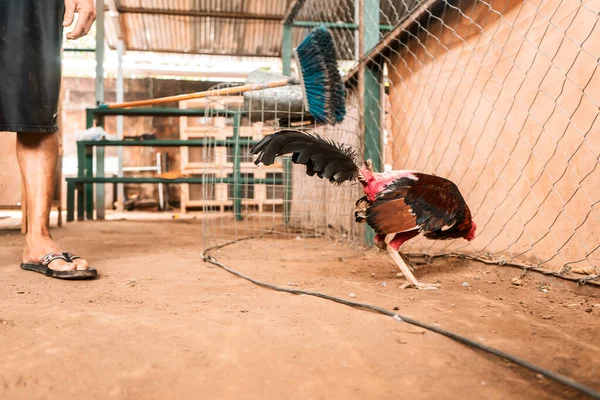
(120, 124)
(286, 55)
(99, 52)
(161, 200)
(287, 179)
(369, 234)
(165, 166)
(337, 25)
(330, 25)
(99, 100)
(237, 176)
(371, 24)
(370, 90)
(373, 74)
(358, 31)
(286, 50)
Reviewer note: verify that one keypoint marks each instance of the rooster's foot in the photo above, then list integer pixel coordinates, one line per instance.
(411, 280)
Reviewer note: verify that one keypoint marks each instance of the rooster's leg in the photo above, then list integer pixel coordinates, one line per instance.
(382, 244)
(380, 241)
(393, 247)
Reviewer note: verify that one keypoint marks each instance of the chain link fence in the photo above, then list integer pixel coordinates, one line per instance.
(501, 97)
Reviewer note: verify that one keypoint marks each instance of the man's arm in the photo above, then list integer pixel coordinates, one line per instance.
(87, 15)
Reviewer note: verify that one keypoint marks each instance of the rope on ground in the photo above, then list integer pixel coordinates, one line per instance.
(590, 279)
(402, 318)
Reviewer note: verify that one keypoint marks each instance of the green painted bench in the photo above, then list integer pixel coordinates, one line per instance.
(76, 187)
(82, 187)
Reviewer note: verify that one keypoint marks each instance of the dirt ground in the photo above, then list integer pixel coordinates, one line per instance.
(161, 324)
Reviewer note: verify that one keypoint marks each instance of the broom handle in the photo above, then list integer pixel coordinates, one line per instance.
(199, 95)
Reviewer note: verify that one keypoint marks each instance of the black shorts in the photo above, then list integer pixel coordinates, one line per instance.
(30, 64)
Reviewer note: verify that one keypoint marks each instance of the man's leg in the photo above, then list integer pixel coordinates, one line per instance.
(38, 154)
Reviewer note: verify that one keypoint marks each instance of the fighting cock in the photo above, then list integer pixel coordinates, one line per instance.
(398, 205)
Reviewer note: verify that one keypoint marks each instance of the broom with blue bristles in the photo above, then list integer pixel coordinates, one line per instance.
(324, 92)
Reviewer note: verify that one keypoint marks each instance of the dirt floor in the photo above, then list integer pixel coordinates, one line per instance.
(161, 324)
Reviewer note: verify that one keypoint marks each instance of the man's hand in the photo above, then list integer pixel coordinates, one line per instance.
(87, 15)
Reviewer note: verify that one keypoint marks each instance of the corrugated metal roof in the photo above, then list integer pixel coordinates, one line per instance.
(219, 27)
(251, 28)
(259, 8)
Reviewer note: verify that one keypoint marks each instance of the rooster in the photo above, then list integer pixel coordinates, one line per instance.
(398, 205)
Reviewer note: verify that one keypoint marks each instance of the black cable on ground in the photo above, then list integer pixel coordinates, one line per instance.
(401, 318)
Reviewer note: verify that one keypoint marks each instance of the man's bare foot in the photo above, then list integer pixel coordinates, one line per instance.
(37, 247)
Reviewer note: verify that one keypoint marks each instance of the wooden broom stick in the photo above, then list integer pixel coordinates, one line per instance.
(199, 95)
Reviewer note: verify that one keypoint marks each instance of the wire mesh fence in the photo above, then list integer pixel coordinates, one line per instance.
(241, 199)
(501, 97)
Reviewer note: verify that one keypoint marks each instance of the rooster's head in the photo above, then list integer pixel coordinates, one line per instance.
(471, 235)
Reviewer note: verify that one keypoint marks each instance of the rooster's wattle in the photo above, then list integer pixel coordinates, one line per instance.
(398, 205)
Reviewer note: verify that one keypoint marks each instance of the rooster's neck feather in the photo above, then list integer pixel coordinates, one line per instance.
(376, 182)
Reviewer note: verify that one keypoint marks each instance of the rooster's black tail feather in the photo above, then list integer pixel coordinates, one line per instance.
(325, 158)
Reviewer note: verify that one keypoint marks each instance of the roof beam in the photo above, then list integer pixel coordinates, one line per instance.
(206, 53)
(114, 18)
(293, 11)
(196, 13)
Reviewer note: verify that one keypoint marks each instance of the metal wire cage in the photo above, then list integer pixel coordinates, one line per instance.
(241, 199)
(498, 96)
